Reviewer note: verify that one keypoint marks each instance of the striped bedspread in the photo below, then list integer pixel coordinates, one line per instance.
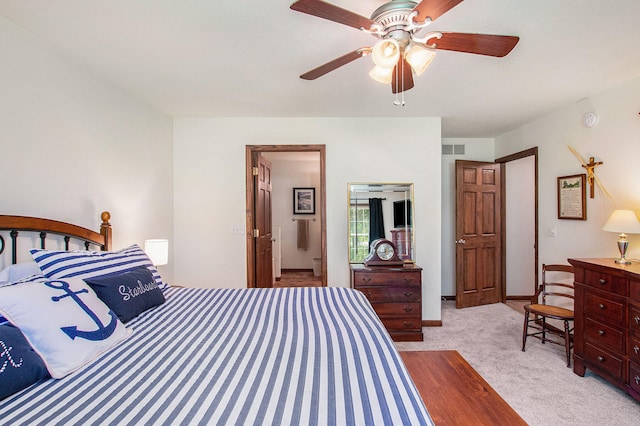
(249, 356)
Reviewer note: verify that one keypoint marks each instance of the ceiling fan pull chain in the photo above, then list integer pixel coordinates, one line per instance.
(400, 69)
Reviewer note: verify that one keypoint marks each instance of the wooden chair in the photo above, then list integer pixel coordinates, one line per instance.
(550, 309)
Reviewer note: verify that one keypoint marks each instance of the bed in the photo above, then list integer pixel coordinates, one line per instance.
(209, 356)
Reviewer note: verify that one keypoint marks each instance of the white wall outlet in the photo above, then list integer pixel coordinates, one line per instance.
(237, 229)
(552, 231)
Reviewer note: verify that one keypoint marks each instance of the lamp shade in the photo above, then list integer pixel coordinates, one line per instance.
(419, 58)
(381, 75)
(386, 53)
(158, 251)
(622, 222)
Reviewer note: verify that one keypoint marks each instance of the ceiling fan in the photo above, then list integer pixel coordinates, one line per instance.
(401, 52)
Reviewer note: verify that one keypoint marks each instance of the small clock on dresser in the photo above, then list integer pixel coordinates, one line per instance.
(382, 253)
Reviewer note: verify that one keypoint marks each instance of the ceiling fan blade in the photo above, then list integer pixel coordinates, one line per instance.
(336, 63)
(402, 77)
(479, 44)
(333, 13)
(434, 8)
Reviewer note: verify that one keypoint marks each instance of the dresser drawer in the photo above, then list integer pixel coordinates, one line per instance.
(634, 349)
(365, 278)
(634, 290)
(609, 310)
(605, 282)
(634, 320)
(397, 309)
(402, 324)
(603, 360)
(634, 377)
(603, 335)
(391, 293)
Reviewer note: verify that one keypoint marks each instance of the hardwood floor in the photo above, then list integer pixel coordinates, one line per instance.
(298, 279)
(517, 305)
(454, 393)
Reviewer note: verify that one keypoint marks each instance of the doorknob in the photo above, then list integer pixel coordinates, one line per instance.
(460, 241)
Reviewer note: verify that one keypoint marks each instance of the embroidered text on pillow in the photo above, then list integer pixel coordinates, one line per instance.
(129, 293)
(5, 352)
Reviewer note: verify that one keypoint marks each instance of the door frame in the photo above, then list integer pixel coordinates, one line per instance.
(250, 201)
(502, 161)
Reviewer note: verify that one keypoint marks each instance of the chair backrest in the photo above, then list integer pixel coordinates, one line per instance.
(557, 281)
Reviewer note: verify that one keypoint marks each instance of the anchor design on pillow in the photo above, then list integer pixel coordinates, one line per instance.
(101, 333)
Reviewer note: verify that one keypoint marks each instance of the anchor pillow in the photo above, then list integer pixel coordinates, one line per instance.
(128, 294)
(20, 366)
(63, 320)
(88, 264)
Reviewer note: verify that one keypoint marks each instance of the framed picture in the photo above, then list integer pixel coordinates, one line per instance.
(304, 201)
(572, 200)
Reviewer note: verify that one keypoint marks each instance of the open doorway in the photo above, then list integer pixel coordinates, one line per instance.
(285, 222)
(520, 210)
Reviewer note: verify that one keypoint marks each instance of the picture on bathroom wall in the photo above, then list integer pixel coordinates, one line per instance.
(304, 201)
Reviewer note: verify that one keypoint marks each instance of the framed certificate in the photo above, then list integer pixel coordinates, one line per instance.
(572, 200)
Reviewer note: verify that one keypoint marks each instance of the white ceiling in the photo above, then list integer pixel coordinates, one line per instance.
(243, 58)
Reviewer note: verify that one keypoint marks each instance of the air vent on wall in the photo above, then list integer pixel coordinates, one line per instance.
(449, 149)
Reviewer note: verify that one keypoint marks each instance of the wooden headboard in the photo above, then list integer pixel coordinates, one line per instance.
(17, 224)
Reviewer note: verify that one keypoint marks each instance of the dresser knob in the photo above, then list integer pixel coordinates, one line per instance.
(636, 349)
(600, 358)
(407, 324)
(407, 280)
(603, 281)
(408, 293)
(601, 332)
(601, 306)
(408, 308)
(366, 279)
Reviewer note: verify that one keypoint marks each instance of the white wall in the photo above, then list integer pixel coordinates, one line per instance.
(209, 168)
(615, 141)
(480, 149)
(72, 146)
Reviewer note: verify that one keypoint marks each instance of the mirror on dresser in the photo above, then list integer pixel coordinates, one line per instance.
(386, 209)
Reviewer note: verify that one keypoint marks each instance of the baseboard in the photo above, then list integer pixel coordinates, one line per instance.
(445, 298)
(297, 270)
(519, 297)
(432, 323)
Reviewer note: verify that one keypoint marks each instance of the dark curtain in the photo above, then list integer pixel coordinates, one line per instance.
(376, 220)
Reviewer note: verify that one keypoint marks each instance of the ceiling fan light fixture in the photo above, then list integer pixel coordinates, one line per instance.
(419, 58)
(381, 75)
(386, 52)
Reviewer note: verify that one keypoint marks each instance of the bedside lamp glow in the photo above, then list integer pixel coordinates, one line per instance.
(158, 251)
(624, 222)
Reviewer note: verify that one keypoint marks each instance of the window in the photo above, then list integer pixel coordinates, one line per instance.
(358, 232)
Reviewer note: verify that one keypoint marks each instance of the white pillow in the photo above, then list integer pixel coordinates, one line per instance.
(19, 271)
(89, 264)
(63, 320)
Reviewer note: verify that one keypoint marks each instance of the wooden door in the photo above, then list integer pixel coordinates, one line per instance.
(478, 233)
(262, 230)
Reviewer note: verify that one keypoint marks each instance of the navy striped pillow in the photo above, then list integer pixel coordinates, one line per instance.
(90, 264)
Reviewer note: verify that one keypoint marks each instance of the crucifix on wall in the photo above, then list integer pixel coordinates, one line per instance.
(592, 179)
(589, 167)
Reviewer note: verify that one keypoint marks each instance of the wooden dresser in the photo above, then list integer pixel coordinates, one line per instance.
(607, 321)
(396, 295)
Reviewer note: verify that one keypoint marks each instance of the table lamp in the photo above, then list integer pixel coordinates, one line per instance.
(158, 251)
(624, 222)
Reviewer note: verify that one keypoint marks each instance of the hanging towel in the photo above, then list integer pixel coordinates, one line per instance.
(303, 234)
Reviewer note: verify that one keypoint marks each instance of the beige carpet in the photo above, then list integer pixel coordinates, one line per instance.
(536, 383)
